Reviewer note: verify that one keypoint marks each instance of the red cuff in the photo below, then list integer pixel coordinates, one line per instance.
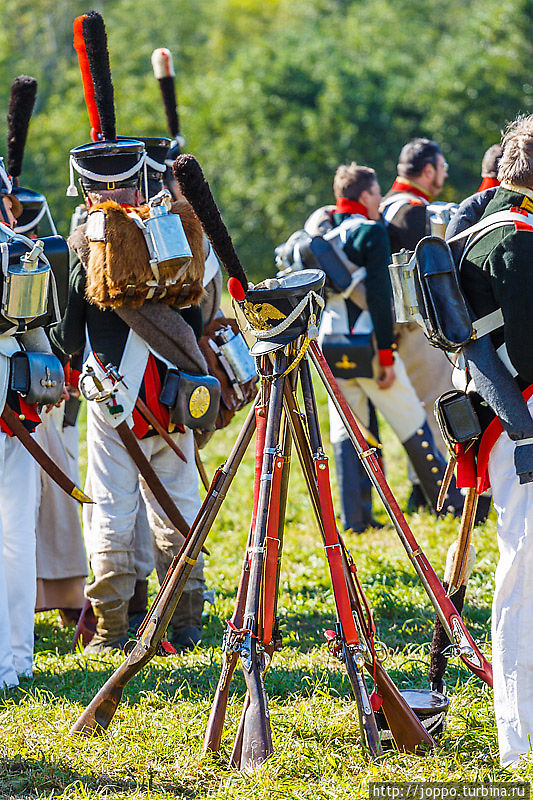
(386, 359)
(75, 376)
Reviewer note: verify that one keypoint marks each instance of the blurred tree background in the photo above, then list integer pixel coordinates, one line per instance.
(274, 94)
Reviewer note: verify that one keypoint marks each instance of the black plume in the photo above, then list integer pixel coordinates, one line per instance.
(21, 102)
(168, 92)
(95, 39)
(194, 186)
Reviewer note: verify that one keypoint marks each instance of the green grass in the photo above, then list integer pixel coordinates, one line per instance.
(152, 749)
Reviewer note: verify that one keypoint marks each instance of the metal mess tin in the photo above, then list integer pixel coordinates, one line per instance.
(235, 350)
(26, 286)
(170, 246)
(405, 287)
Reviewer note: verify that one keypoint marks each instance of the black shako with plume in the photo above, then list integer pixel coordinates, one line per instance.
(109, 161)
(95, 37)
(194, 186)
(21, 103)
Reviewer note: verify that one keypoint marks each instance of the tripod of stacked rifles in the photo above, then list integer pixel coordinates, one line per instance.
(281, 421)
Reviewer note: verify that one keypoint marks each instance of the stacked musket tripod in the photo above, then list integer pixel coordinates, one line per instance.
(353, 641)
(252, 633)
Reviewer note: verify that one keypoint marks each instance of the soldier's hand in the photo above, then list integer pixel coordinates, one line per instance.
(386, 377)
(65, 396)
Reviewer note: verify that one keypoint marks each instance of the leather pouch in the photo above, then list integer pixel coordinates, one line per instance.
(37, 376)
(193, 399)
(457, 418)
(349, 355)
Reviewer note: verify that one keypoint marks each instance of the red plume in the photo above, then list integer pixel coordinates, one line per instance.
(88, 86)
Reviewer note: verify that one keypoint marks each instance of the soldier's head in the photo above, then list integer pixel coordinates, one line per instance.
(421, 160)
(516, 163)
(355, 182)
(491, 161)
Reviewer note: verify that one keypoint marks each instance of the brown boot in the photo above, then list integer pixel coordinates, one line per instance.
(138, 606)
(111, 628)
(187, 621)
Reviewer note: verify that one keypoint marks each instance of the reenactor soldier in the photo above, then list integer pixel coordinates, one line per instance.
(406, 209)
(137, 337)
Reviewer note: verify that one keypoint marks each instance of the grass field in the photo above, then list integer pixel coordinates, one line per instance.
(152, 749)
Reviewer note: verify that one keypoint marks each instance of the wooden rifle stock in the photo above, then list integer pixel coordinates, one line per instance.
(406, 728)
(367, 721)
(101, 710)
(256, 744)
(217, 716)
(408, 732)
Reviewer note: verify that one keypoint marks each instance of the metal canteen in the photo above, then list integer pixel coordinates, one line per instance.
(26, 286)
(440, 214)
(403, 277)
(170, 245)
(237, 354)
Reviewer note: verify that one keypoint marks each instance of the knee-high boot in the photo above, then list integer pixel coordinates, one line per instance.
(430, 466)
(354, 489)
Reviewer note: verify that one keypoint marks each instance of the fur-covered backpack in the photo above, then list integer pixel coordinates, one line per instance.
(113, 249)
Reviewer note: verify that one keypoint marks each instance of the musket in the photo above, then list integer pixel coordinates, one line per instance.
(406, 728)
(33, 447)
(100, 711)
(230, 649)
(269, 632)
(347, 643)
(257, 735)
(446, 611)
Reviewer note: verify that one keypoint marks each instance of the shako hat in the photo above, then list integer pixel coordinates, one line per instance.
(34, 207)
(279, 310)
(108, 162)
(156, 148)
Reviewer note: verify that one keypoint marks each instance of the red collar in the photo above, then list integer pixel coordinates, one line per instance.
(488, 183)
(346, 206)
(405, 185)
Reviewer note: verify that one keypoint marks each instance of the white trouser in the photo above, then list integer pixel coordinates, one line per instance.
(114, 485)
(18, 506)
(144, 551)
(399, 404)
(512, 608)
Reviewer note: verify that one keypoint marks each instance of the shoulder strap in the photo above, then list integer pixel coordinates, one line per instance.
(522, 221)
(391, 206)
(338, 236)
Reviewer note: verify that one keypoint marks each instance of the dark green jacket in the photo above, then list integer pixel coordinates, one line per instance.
(368, 246)
(498, 273)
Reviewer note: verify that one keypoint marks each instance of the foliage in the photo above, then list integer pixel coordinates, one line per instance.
(274, 94)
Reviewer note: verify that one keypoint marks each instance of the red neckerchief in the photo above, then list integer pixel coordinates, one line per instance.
(404, 185)
(346, 206)
(488, 183)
